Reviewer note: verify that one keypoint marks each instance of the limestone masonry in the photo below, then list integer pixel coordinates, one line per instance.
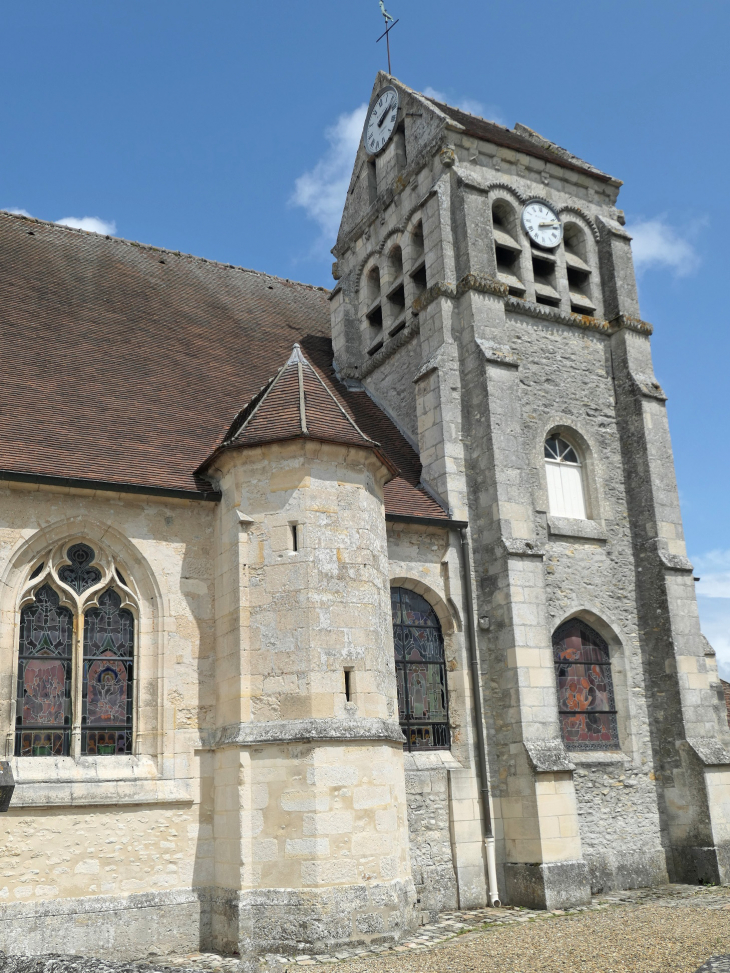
(322, 613)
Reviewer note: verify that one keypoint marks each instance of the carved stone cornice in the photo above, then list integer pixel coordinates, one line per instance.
(291, 731)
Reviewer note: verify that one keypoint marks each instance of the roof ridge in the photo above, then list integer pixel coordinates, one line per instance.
(154, 249)
(463, 111)
(331, 395)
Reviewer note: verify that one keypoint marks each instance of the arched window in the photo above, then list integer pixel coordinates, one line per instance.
(564, 479)
(420, 672)
(43, 718)
(59, 662)
(586, 704)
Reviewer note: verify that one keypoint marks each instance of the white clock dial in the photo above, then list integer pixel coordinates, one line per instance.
(541, 224)
(381, 120)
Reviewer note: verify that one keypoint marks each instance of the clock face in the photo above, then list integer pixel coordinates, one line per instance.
(541, 224)
(381, 120)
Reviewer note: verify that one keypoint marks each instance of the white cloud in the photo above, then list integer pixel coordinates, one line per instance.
(321, 192)
(713, 601)
(657, 244)
(714, 571)
(16, 211)
(91, 223)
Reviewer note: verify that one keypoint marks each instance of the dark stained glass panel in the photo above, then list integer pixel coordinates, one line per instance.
(420, 672)
(43, 716)
(79, 574)
(586, 703)
(107, 701)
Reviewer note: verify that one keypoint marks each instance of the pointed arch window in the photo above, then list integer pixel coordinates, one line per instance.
(586, 702)
(420, 668)
(564, 475)
(75, 687)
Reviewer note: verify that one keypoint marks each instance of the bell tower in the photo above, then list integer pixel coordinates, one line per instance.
(486, 300)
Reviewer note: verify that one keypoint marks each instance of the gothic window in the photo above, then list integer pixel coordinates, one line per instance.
(76, 657)
(420, 672)
(564, 479)
(106, 699)
(586, 704)
(43, 716)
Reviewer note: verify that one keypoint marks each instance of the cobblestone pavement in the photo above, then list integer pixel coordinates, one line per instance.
(645, 909)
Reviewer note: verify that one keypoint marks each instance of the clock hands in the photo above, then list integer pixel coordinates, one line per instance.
(551, 223)
(388, 107)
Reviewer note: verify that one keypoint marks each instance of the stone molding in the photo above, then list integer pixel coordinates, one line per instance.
(584, 216)
(548, 756)
(571, 527)
(394, 344)
(101, 793)
(517, 547)
(648, 386)
(709, 751)
(293, 731)
(498, 354)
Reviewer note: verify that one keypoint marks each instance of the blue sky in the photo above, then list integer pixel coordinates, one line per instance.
(227, 129)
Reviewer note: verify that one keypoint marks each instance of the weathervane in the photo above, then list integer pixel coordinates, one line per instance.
(389, 25)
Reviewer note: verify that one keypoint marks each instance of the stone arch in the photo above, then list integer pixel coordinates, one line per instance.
(565, 426)
(618, 643)
(583, 217)
(151, 609)
(439, 605)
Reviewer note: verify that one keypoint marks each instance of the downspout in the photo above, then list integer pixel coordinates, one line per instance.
(478, 719)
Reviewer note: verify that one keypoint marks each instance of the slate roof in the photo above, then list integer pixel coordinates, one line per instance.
(123, 365)
(481, 128)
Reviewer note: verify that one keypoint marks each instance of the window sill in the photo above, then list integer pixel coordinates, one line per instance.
(587, 758)
(575, 528)
(430, 760)
(64, 782)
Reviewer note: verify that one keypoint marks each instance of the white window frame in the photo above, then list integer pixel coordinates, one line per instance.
(565, 483)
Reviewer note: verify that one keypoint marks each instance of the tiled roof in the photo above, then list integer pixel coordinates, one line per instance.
(500, 135)
(297, 404)
(726, 690)
(123, 364)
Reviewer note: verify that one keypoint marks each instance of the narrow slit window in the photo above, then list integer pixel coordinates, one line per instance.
(294, 537)
(348, 685)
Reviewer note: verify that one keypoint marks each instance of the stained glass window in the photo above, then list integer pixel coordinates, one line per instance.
(586, 704)
(107, 697)
(79, 574)
(420, 672)
(43, 717)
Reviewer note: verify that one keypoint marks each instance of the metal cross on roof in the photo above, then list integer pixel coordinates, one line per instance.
(389, 25)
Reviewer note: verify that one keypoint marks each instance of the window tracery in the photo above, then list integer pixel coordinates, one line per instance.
(75, 684)
(420, 668)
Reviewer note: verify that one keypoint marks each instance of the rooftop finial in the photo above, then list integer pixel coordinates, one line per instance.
(389, 25)
(296, 355)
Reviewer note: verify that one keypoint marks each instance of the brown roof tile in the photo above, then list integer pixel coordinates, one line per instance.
(126, 365)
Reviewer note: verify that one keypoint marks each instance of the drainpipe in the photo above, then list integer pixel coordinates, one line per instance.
(478, 719)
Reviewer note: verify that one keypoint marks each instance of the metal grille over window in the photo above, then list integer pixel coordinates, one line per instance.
(586, 705)
(79, 574)
(106, 714)
(420, 672)
(564, 479)
(43, 716)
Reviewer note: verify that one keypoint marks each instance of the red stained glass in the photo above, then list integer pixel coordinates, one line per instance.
(107, 702)
(44, 677)
(586, 703)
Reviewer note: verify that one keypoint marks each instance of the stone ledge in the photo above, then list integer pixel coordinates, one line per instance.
(91, 793)
(710, 752)
(548, 756)
(572, 527)
(291, 731)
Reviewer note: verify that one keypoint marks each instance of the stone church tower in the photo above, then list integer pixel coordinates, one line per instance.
(510, 349)
(323, 612)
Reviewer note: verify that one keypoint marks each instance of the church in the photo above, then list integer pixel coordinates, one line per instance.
(324, 611)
